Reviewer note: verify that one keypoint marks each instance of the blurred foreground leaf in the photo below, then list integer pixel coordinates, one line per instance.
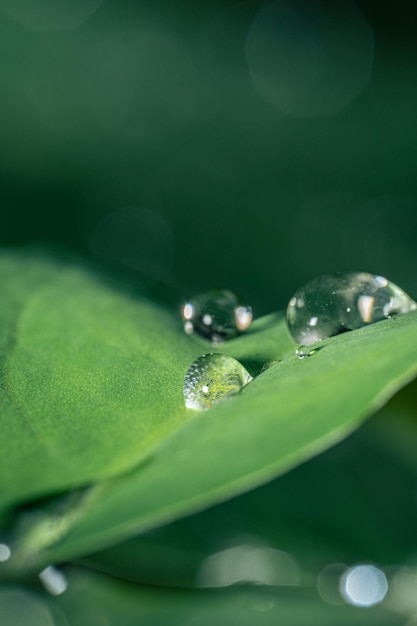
(93, 600)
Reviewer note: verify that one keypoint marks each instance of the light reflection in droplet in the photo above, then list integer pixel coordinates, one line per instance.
(207, 319)
(365, 307)
(307, 59)
(53, 580)
(243, 317)
(5, 552)
(188, 311)
(250, 564)
(364, 585)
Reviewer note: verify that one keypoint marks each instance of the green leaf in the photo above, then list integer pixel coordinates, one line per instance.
(92, 376)
(291, 412)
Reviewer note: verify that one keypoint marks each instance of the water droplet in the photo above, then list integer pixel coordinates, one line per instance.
(216, 315)
(334, 303)
(304, 352)
(268, 365)
(212, 378)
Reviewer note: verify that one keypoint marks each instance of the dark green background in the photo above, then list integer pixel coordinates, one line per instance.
(137, 137)
(149, 104)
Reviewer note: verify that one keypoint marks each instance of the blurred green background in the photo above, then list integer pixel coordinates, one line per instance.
(226, 143)
(245, 144)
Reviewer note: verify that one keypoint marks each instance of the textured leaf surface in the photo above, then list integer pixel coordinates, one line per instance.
(91, 377)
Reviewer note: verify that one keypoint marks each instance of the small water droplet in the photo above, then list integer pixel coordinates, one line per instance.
(334, 303)
(212, 378)
(268, 365)
(303, 352)
(216, 315)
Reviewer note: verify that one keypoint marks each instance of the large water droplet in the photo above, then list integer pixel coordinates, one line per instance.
(216, 315)
(212, 378)
(334, 303)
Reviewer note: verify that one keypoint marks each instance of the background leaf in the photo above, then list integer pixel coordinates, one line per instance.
(353, 503)
(97, 600)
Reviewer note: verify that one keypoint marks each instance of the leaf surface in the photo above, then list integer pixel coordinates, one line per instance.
(92, 376)
(291, 412)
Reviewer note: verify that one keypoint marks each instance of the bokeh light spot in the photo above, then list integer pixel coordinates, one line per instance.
(364, 585)
(309, 58)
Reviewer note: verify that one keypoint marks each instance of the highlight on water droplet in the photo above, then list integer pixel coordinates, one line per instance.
(335, 303)
(212, 378)
(216, 315)
(364, 585)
